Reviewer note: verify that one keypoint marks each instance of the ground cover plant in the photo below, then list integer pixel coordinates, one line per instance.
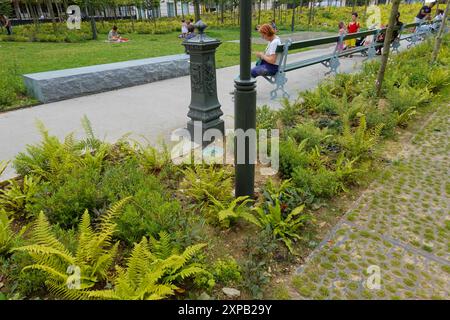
(134, 226)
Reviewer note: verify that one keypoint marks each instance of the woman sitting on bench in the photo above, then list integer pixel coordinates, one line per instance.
(267, 64)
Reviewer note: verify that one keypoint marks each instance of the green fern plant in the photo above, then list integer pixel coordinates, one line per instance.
(362, 141)
(6, 234)
(228, 212)
(346, 172)
(17, 198)
(93, 257)
(3, 166)
(50, 158)
(284, 227)
(403, 118)
(147, 277)
(151, 158)
(163, 247)
(438, 78)
(202, 181)
(90, 143)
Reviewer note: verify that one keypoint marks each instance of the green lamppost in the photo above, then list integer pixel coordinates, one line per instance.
(245, 110)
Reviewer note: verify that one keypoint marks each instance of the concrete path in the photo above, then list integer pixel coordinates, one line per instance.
(398, 231)
(150, 111)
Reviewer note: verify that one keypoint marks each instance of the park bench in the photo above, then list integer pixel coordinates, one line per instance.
(331, 60)
(69, 83)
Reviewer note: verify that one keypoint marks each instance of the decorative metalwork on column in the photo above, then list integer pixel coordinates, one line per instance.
(204, 109)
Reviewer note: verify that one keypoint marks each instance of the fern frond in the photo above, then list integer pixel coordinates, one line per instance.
(191, 251)
(107, 225)
(51, 271)
(42, 234)
(44, 250)
(3, 166)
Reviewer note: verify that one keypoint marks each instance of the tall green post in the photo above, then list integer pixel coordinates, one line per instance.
(245, 110)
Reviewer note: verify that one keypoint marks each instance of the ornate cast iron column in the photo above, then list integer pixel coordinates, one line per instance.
(245, 109)
(204, 109)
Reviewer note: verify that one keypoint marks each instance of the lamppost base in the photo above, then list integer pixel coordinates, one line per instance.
(245, 120)
(214, 129)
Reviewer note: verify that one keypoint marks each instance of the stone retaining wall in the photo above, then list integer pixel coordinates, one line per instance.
(69, 83)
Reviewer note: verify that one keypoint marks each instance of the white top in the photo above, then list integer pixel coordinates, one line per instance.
(272, 49)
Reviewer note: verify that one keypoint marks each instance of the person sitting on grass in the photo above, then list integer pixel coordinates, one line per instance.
(114, 36)
(184, 29)
(267, 64)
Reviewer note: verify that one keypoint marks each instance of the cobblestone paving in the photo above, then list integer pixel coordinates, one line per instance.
(401, 228)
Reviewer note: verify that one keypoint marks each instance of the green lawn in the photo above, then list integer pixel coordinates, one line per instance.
(17, 58)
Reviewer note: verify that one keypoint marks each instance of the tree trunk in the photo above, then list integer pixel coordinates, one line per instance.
(274, 10)
(311, 6)
(196, 10)
(222, 11)
(93, 25)
(175, 4)
(365, 9)
(259, 12)
(387, 46)
(293, 17)
(52, 14)
(17, 9)
(437, 45)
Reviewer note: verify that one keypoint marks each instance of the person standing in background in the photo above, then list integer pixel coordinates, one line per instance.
(7, 23)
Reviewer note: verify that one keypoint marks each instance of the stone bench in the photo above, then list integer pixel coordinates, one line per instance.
(69, 83)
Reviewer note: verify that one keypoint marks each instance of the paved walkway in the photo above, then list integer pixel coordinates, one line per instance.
(401, 226)
(151, 111)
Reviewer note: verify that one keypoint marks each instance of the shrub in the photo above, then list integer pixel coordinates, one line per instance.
(289, 113)
(149, 278)
(19, 198)
(6, 234)
(226, 213)
(65, 203)
(283, 227)
(266, 118)
(151, 209)
(227, 271)
(71, 273)
(260, 250)
(405, 97)
(202, 181)
(314, 135)
(320, 183)
(292, 155)
(361, 142)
